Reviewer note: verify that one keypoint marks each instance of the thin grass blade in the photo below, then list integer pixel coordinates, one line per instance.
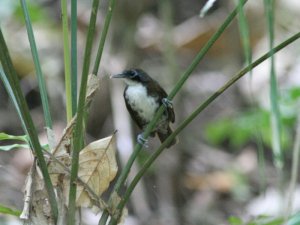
(74, 55)
(103, 35)
(275, 112)
(41, 80)
(67, 60)
(244, 32)
(9, 211)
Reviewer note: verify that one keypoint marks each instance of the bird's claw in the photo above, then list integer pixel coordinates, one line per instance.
(167, 103)
(143, 141)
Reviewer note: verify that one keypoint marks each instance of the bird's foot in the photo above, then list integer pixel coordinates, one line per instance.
(143, 141)
(167, 103)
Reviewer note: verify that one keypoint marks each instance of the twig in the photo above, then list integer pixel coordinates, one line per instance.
(28, 192)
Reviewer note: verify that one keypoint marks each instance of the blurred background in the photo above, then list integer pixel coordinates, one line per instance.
(223, 164)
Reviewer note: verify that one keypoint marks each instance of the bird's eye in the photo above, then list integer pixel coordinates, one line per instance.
(133, 73)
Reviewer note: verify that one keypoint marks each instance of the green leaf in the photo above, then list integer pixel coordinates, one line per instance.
(244, 32)
(4, 136)
(6, 210)
(38, 13)
(266, 220)
(38, 69)
(243, 129)
(235, 220)
(11, 147)
(275, 111)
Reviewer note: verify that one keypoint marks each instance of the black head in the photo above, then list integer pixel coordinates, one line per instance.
(132, 76)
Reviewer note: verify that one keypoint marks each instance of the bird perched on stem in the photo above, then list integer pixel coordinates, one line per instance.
(143, 96)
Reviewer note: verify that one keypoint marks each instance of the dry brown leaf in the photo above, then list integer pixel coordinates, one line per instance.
(92, 86)
(97, 168)
(62, 153)
(36, 204)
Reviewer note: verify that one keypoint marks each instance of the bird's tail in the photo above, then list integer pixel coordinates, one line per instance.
(164, 135)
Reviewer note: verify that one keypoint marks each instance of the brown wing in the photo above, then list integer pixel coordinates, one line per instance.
(157, 89)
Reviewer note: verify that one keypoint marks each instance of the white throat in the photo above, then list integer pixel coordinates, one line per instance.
(137, 97)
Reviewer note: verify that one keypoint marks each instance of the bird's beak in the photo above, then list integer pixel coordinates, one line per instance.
(120, 75)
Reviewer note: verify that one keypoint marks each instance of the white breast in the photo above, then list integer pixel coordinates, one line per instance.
(136, 96)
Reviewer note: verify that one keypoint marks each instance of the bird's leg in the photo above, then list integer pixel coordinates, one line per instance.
(167, 103)
(141, 140)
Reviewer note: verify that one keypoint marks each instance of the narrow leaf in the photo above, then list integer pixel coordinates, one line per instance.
(275, 112)
(6, 210)
(4, 136)
(67, 60)
(41, 80)
(74, 55)
(103, 35)
(12, 96)
(244, 32)
(13, 146)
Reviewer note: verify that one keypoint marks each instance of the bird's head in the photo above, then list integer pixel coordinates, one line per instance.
(133, 76)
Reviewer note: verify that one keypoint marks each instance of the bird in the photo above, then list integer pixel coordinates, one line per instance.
(143, 96)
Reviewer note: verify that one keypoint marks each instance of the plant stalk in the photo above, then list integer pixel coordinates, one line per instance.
(74, 55)
(103, 36)
(67, 61)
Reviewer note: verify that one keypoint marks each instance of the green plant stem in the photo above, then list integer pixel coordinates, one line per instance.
(123, 176)
(103, 35)
(41, 80)
(203, 51)
(275, 112)
(74, 55)
(294, 171)
(77, 143)
(88, 51)
(28, 126)
(187, 121)
(90, 38)
(67, 61)
(244, 32)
